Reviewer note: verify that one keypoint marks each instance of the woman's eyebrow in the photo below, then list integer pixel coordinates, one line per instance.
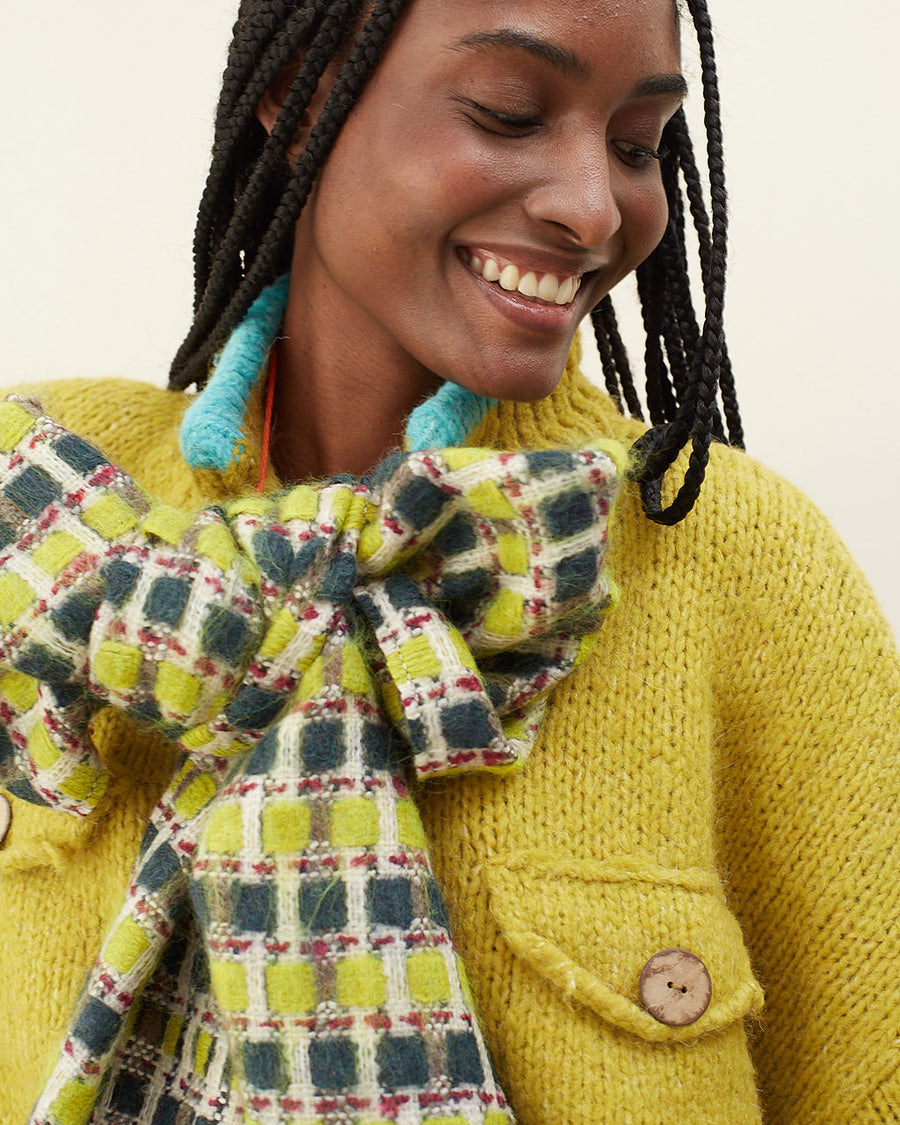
(662, 84)
(564, 60)
(560, 58)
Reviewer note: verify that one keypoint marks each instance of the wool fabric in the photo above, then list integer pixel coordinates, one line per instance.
(718, 776)
(211, 432)
(286, 843)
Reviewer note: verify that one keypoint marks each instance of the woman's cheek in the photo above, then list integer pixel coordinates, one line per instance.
(650, 219)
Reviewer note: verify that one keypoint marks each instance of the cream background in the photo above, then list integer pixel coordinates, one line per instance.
(105, 123)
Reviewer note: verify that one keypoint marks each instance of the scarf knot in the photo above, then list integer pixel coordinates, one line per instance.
(305, 650)
(465, 581)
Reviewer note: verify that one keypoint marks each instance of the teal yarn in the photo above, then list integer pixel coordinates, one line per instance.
(212, 429)
(447, 418)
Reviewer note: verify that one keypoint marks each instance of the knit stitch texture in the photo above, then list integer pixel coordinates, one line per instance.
(211, 433)
(718, 776)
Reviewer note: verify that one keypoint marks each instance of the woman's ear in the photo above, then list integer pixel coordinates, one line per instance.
(273, 99)
(270, 104)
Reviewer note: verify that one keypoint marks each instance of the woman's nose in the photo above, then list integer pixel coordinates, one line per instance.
(577, 196)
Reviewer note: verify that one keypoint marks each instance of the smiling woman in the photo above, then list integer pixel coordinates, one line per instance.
(508, 150)
(569, 190)
(426, 774)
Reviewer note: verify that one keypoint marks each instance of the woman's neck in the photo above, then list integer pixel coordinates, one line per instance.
(337, 410)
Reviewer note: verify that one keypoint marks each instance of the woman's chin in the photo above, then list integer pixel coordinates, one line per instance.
(527, 384)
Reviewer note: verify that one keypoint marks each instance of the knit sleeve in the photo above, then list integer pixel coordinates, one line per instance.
(809, 689)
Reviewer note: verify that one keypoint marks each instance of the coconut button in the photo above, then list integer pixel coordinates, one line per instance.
(675, 987)
(5, 816)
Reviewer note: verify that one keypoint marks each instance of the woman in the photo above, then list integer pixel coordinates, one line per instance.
(462, 184)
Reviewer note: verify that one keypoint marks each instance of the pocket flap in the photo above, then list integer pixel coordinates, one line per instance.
(41, 837)
(590, 927)
(141, 763)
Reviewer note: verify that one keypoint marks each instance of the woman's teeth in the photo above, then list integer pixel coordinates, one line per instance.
(548, 288)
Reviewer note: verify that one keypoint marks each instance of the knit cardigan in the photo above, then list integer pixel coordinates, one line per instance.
(720, 777)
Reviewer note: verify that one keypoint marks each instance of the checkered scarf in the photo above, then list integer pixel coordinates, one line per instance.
(283, 953)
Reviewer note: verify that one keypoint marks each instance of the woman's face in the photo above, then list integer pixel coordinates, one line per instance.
(494, 182)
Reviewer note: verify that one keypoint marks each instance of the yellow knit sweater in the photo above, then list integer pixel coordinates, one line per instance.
(721, 777)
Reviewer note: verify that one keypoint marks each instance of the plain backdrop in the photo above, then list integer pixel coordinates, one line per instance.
(105, 122)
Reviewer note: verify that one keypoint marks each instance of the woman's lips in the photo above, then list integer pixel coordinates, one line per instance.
(544, 288)
(530, 313)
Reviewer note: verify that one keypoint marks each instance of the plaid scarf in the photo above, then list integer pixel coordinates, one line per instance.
(283, 953)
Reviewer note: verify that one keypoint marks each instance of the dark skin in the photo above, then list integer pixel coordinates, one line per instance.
(494, 136)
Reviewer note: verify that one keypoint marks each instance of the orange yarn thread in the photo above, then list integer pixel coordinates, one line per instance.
(267, 424)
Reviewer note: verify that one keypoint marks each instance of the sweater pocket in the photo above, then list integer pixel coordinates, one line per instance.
(42, 837)
(591, 927)
(140, 762)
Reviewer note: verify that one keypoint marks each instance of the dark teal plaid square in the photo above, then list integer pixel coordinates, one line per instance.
(568, 514)
(167, 599)
(262, 759)
(304, 558)
(75, 616)
(550, 461)
(97, 1026)
(33, 490)
(420, 503)
(466, 726)
(82, 457)
(166, 1112)
(456, 536)
(434, 905)
(224, 635)
(339, 578)
(274, 554)
(389, 902)
(323, 905)
(576, 574)
(322, 746)
(376, 741)
(252, 708)
(402, 1061)
(7, 750)
(121, 579)
(332, 1064)
(128, 1095)
(264, 1066)
(464, 593)
(463, 1060)
(45, 665)
(255, 908)
(159, 868)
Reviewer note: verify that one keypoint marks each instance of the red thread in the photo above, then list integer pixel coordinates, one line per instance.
(267, 424)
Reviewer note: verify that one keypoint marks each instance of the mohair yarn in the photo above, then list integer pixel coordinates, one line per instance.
(718, 776)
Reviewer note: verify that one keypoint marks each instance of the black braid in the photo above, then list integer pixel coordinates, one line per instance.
(226, 295)
(245, 231)
(261, 45)
(614, 358)
(703, 392)
(244, 234)
(686, 366)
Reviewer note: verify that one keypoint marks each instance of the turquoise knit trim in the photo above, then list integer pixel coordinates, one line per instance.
(212, 429)
(447, 418)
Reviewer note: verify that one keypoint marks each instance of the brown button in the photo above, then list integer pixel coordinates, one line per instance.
(5, 816)
(675, 987)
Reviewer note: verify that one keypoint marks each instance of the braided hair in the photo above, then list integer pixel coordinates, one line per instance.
(252, 200)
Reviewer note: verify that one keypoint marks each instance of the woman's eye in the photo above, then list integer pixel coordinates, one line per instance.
(500, 122)
(638, 156)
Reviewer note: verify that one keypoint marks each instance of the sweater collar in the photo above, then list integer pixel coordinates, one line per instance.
(222, 430)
